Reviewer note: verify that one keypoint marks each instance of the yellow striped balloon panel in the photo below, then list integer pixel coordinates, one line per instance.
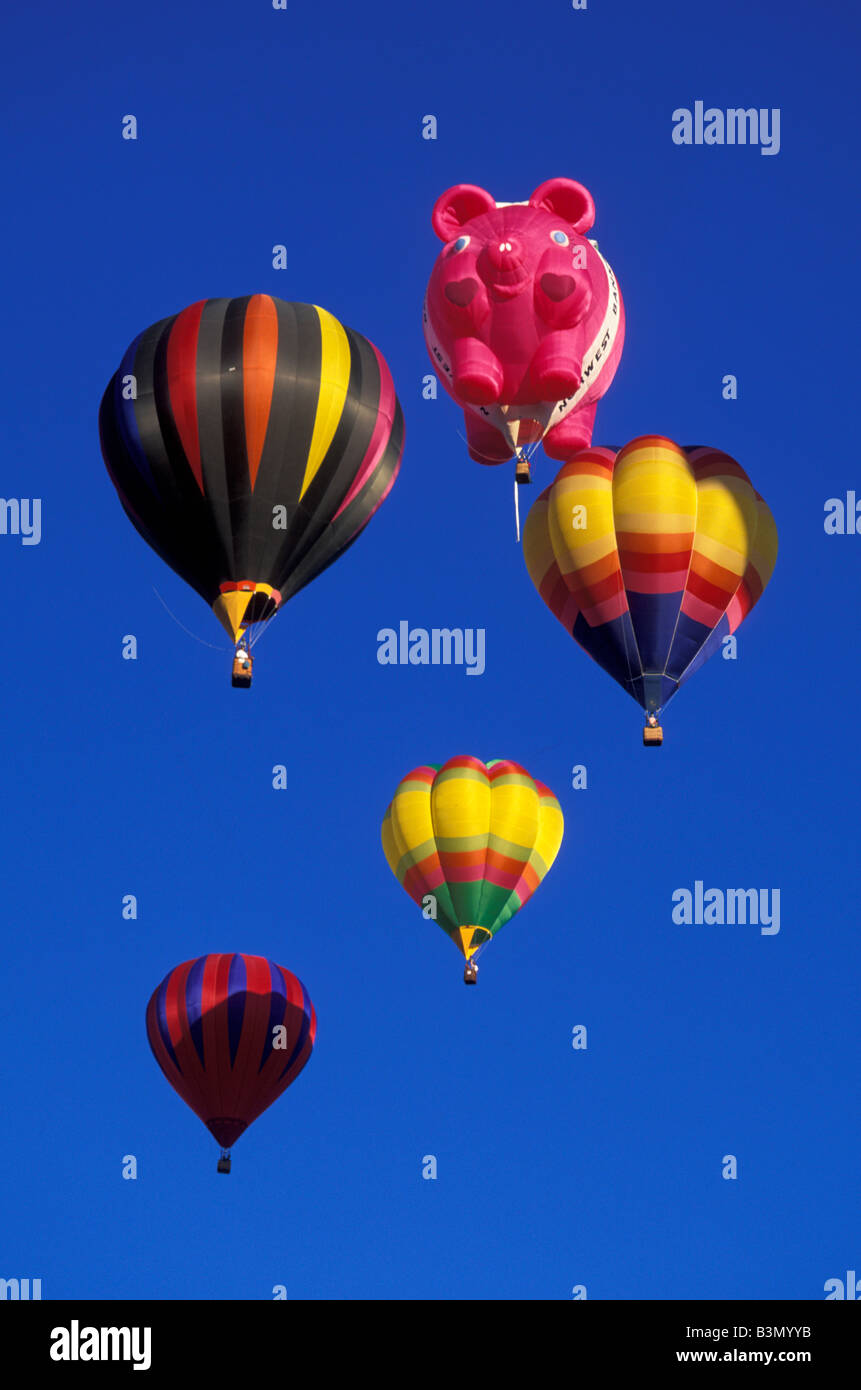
(650, 557)
(475, 838)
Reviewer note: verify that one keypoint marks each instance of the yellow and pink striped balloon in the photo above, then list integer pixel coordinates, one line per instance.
(649, 557)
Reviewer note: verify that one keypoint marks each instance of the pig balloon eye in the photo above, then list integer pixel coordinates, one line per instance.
(461, 244)
(560, 238)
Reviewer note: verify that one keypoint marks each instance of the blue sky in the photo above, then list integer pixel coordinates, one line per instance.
(556, 1167)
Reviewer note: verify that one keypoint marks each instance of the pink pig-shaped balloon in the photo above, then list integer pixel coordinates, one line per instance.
(523, 318)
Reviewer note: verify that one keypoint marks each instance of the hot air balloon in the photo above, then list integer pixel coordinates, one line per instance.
(649, 557)
(250, 442)
(523, 319)
(470, 844)
(230, 1033)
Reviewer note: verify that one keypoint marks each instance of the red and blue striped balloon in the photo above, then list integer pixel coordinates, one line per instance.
(230, 1032)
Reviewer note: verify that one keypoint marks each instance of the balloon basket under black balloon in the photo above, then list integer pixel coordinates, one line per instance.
(241, 678)
(224, 1162)
(653, 736)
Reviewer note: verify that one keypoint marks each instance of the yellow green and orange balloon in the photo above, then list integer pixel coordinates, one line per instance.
(470, 842)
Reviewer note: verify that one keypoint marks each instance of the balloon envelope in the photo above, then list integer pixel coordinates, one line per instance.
(251, 441)
(475, 839)
(650, 557)
(523, 317)
(211, 1027)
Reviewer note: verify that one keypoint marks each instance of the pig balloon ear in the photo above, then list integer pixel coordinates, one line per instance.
(457, 206)
(568, 199)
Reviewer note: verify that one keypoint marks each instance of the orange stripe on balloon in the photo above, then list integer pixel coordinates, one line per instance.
(596, 571)
(584, 466)
(716, 572)
(649, 441)
(458, 861)
(656, 543)
(527, 883)
(259, 355)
